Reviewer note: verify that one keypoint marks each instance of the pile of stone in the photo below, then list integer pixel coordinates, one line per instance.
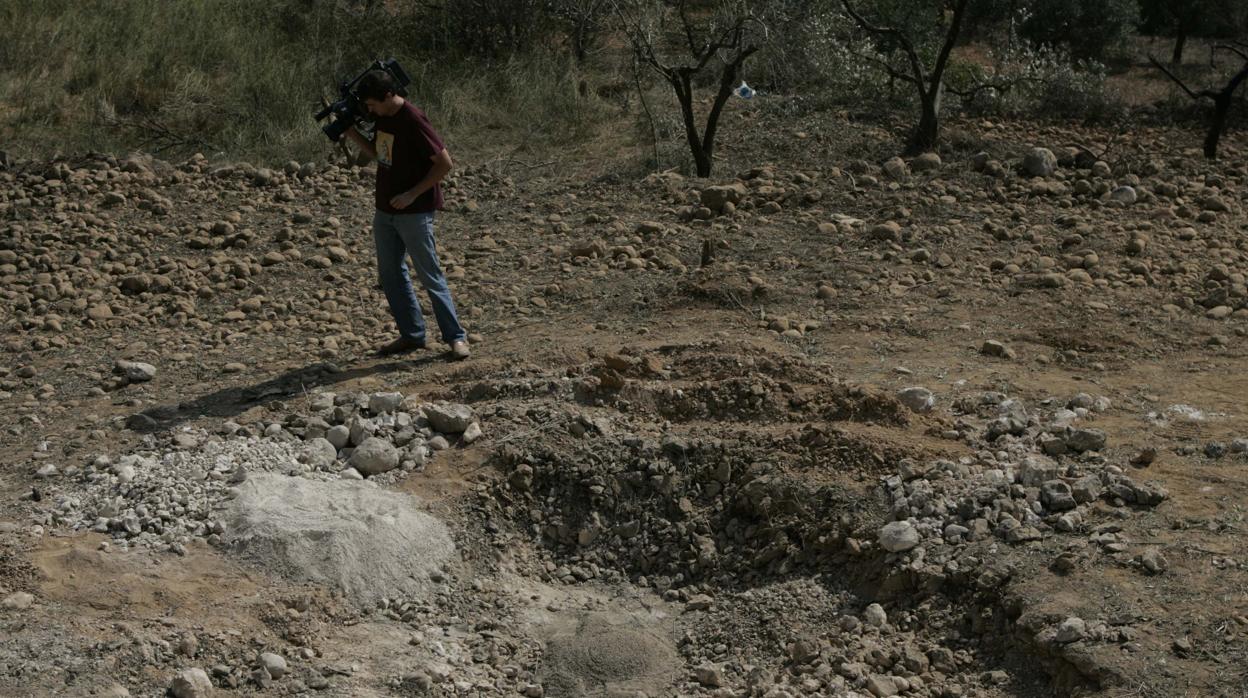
(1035, 475)
(166, 498)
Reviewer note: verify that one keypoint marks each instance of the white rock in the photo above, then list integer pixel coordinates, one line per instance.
(384, 402)
(321, 402)
(320, 453)
(374, 456)
(338, 435)
(1123, 194)
(275, 664)
(1072, 629)
(135, 371)
(472, 433)
(874, 615)
(917, 399)
(449, 418)
(360, 430)
(438, 443)
(898, 536)
(17, 601)
(191, 683)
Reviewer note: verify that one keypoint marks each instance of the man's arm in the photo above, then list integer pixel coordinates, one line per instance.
(442, 164)
(362, 143)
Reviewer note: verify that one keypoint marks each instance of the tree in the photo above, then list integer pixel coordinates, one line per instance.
(1184, 19)
(1221, 98)
(583, 22)
(910, 41)
(486, 28)
(1090, 28)
(723, 31)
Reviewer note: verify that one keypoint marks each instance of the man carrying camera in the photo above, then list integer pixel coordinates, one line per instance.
(411, 162)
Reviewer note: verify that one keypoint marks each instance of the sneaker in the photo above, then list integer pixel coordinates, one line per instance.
(459, 349)
(402, 345)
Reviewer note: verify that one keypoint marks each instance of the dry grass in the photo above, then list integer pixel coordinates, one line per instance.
(240, 78)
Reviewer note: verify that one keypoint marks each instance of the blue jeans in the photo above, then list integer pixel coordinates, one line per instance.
(396, 237)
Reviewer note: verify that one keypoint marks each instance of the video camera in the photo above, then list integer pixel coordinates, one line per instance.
(349, 109)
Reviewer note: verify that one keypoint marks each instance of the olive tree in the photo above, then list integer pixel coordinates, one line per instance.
(913, 42)
(685, 42)
(1222, 97)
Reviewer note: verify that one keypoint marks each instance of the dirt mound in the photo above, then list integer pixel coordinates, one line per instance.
(353, 536)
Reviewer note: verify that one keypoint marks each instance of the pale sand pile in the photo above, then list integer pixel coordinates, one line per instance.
(369, 542)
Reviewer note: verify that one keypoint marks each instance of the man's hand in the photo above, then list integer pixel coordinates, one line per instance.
(362, 143)
(402, 201)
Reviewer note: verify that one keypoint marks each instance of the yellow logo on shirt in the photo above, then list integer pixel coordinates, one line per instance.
(385, 148)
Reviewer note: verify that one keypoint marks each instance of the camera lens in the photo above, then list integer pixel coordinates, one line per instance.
(336, 128)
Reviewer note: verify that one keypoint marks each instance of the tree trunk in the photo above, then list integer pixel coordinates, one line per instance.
(684, 95)
(927, 133)
(1180, 40)
(1221, 107)
(702, 163)
(727, 80)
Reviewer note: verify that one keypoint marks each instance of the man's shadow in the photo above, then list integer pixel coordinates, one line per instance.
(232, 401)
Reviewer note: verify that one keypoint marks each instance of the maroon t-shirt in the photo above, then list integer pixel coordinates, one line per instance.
(406, 144)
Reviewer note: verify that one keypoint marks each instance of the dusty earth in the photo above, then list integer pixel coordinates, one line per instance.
(828, 424)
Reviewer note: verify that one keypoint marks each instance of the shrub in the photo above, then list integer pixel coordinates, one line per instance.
(243, 78)
(1090, 29)
(1039, 80)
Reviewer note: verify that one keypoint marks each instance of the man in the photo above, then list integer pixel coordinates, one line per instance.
(411, 162)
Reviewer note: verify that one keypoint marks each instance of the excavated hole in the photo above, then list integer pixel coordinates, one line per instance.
(724, 491)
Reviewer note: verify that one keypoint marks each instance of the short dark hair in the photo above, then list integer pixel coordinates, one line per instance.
(376, 84)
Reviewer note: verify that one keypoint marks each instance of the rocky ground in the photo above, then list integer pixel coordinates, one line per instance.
(830, 424)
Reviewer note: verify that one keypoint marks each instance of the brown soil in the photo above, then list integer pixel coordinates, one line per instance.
(574, 352)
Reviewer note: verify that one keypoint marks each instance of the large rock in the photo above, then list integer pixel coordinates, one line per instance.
(898, 536)
(191, 683)
(1040, 162)
(1072, 629)
(715, 197)
(917, 399)
(135, 371)
(17, 601)
(1057, 496)
(375, 456)
(319, 453)
(1081, 440)
(1124, 195)
(896, 168)
(449, 418)
(273, 664)
(384, 402)
(926, 162)
(1035, 470)
(339, 435)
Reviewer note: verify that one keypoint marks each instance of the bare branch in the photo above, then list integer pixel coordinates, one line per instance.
(687, 25)
(1004, 86)
(1233, 49)
(888, 67)
(951, 37)
(904, 41)
(1194, 95)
